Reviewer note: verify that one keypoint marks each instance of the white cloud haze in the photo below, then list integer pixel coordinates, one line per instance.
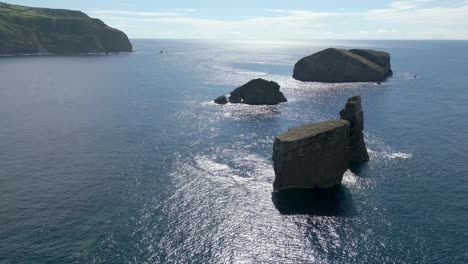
(417, 19)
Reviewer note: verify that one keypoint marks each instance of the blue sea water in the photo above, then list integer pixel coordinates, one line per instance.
(125, 159)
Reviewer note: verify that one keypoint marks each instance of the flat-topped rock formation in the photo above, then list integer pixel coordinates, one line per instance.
(354, 114)
(30, 30)
(311, 156)
(257, 92)
(318, 155)
(339, 65)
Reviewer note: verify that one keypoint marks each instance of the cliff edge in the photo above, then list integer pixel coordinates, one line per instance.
(29, 30)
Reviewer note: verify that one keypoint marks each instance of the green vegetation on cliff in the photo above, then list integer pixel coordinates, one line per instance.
(28, 30)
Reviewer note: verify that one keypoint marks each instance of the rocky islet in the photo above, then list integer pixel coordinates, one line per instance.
(338, 65)
(255, 92)
(317, 155)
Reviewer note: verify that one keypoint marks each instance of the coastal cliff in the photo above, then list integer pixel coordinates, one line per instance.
(28, 30)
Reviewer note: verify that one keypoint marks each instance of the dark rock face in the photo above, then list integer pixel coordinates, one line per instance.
(338, 65)
(311, 156)
(221, 100)
(258, 92)
(378, 57)
(27, 30)
(317, 155)
(235, 100)
(354, 114)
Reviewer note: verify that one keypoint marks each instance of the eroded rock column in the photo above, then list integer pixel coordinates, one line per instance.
(354, 114)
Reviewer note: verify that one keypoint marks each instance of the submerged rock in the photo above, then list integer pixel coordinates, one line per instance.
(258, 92)
(354, 114)
(221, 100)
(311, 156)
(339, 65)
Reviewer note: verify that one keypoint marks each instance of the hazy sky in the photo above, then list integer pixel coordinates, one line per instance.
(277, 19)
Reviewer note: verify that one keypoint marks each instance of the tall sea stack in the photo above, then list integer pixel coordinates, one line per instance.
(311, 156)
(354, 114)
(318, 155)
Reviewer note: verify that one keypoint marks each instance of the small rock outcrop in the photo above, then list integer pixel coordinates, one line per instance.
(221, 100)
(311, 156)
(258, 92)
(339, 65)
(354, 114)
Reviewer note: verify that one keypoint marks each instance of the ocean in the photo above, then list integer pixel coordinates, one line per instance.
(126, 159)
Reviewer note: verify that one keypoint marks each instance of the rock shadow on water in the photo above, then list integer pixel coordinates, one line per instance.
(360, 169)
(336, 201)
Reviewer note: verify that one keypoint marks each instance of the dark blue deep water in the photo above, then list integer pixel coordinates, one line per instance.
(125, 159)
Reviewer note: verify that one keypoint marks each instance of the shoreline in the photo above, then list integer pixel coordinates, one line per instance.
(64, 54)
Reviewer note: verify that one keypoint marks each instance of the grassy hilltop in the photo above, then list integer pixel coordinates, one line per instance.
(29, 30)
